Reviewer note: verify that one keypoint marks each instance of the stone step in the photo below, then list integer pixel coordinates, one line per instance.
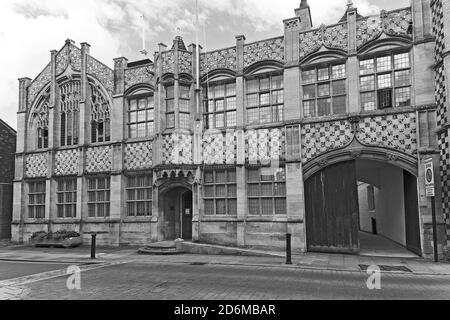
(161, 248)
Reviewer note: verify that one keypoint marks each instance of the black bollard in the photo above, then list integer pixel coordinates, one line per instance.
(93, 244)
(288, 249)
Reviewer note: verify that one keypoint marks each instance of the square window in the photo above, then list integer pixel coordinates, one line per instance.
(253, 100)
(323, 107)
(323, 90)
(252, 116)
(264, 84)
(368, 101)
(338, 71)
(309, 108)
(367, 66)
(384, 64)
(402, 78)
(309, 92)
(367, 83)
(252, 86)
(323, 74)
(265, 115)
(339, 105)
(401, 61)
(277, 82)
(384, 81)
(403, 97)
(339, 87)
(309, 76)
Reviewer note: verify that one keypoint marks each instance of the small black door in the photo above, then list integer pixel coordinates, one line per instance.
(186, 215)
(332, 210)
(412, 214)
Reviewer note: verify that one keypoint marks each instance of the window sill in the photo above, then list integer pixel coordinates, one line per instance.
(147, 219)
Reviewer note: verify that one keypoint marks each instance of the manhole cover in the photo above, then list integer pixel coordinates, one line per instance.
(364, 267)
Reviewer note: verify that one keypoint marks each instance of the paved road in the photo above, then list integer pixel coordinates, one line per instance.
(10, 270)
(146, 280)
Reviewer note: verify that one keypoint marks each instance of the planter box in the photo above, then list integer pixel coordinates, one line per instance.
(65, 243)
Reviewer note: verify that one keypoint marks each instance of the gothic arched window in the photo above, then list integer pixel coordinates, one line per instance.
(100, 117)
(40, 118)
(70, 112)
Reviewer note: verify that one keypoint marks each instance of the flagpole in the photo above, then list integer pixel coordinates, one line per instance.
(197, 57)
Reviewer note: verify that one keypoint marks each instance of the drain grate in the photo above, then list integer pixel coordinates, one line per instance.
(364, 267)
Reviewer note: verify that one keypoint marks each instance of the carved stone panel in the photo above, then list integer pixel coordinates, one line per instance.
(221, 59)
(219, 148)
(66, 162)
(265, 50)
(398, 131)
(177, 149)
(36, 165)
(320, 138)
(138, 75)
(139, 156)
(99, 159)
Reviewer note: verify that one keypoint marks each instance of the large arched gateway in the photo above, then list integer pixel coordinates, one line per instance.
(362, 206)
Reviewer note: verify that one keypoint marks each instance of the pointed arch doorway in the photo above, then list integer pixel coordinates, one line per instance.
(176, 208)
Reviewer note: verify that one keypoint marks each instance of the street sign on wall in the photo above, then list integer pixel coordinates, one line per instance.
(429, 178)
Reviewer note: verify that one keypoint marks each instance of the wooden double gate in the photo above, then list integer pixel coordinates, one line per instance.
(332, 210)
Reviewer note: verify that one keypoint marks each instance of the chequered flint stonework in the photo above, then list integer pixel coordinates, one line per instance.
(438, 28)
(139, 156)
(264, 50)
(66, 162)
(444, 144)
(397, 131)
(265, 145)
(99, 159)
(441, 96)
(320, 138)
(36, 165)
(177, 149)
(219, 148)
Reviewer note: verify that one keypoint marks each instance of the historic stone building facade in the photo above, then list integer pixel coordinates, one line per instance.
(290, 135)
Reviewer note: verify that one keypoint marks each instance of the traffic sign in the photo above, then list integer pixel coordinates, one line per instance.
(429, 178)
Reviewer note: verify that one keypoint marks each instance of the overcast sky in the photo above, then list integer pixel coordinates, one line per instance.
(29, 29)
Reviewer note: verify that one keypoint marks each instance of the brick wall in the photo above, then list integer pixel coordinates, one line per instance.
(7, 150)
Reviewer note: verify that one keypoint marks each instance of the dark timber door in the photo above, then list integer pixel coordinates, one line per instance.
(186, 215)
(412, 214)
(332, 210)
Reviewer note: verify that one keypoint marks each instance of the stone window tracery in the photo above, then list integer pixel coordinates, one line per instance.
(40, 118)
(100, 116)
(69, 113)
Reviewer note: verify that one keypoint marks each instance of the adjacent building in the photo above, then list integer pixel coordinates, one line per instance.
(321, 133)
(8, 138)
